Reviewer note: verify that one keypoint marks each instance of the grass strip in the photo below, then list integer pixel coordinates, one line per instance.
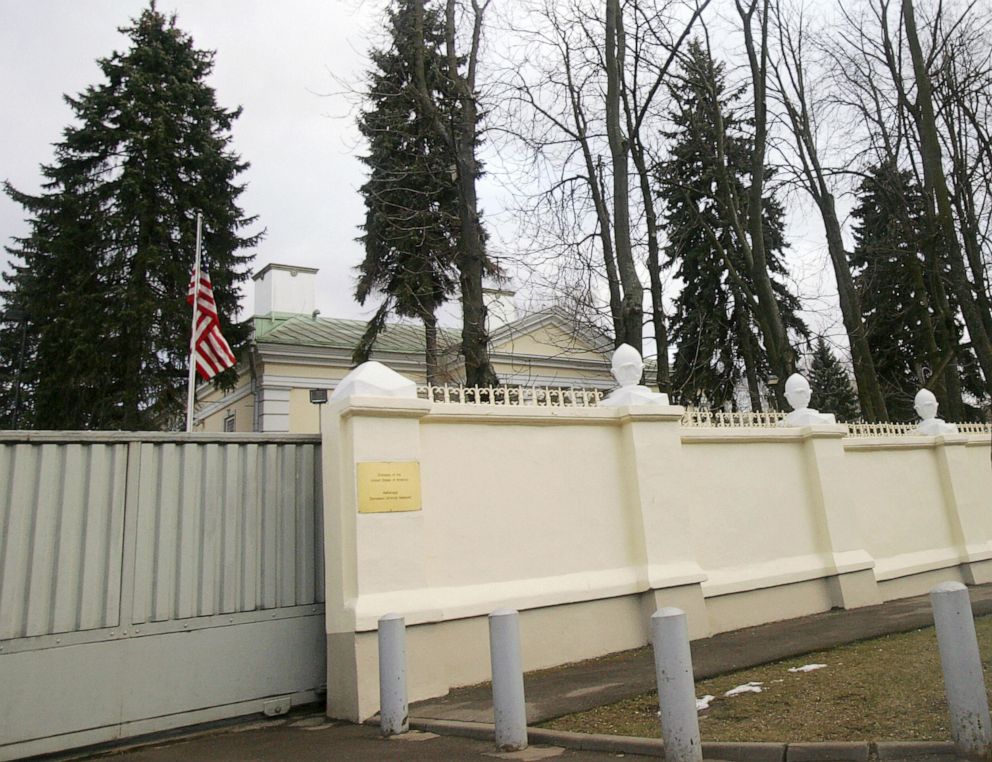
(884, 689)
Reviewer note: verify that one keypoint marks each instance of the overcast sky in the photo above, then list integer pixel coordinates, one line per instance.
(289, 64)
(284, 62)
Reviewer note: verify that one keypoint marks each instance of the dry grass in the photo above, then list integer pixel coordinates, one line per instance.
(886, 689)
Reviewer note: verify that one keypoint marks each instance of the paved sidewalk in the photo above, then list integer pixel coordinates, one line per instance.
(462, 718)
(309, 738)
(577, 687)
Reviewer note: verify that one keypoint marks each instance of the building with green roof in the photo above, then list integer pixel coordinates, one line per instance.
(295, 350)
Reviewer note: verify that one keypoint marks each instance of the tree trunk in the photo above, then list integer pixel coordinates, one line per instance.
(870, 396)
(939, 206)
(430, 347)
(781, 355)
(798, 101)
(745, 339)
(663, 376)
(472, 250)
(936, 383)
(632, 306)
(462, 136)
(471, 266)
(963, 197)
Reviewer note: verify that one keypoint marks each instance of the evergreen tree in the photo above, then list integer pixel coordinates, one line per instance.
(832, 390)
(102, 276)
(411, 198)
(713, 327)
(907, 339)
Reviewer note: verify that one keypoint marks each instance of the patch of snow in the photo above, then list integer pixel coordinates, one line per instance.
(746, 688)
(807, 668)
(703, 703)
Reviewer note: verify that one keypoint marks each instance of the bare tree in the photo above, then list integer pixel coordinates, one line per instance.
(878, 86)
(935, 184)
(585, 105)
(651, 36)
(963, 99)
(804, 110)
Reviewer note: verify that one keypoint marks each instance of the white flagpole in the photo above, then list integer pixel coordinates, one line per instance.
(191, 394)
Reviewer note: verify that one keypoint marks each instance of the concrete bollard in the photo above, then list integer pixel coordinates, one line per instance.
(964, 682)
(509, 708)
(676, 688)
(394, 714)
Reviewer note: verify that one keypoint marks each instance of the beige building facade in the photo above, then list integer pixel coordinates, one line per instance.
(295, 350)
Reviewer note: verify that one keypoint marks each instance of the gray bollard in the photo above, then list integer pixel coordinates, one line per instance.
(394, 715)
(676, 688)
(964, 682)
(509, 708)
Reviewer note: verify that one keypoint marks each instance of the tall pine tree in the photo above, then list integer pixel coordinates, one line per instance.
(411, 196)
(911, 345)
(831, 386)
(718, 346)
(102, 275)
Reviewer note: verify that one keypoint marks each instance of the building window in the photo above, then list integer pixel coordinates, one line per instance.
(229, 422)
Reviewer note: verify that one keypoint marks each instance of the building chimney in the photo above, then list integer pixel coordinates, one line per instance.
(284, 289)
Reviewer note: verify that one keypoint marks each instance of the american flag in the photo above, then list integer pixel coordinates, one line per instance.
(211, 350)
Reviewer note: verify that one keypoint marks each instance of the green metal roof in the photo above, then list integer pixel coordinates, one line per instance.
(339, 333)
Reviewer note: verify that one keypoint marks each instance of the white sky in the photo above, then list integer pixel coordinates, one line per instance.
(281, 61)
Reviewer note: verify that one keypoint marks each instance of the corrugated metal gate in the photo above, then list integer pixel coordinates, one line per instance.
(155, 580)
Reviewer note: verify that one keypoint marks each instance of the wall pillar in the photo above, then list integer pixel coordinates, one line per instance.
(652, 451)
(390, 544)
(966, 499)
(853, 584)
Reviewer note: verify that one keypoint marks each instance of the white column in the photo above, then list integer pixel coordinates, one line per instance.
(509, 707)
(964, 681)
(394, 714)
(676, 687)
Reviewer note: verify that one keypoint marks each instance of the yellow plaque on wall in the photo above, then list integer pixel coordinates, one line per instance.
(389, 487)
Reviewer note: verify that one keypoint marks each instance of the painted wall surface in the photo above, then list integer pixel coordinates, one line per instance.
(556, 512)
(215, 405)
(153, 581)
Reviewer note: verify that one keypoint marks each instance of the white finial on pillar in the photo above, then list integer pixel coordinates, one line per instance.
(373, 379)
(798, 394)
(925, 404)
(627, 368)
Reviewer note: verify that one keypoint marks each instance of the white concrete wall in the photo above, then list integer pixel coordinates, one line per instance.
(587, 519)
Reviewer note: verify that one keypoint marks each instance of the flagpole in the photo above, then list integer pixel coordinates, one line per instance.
(191, 393)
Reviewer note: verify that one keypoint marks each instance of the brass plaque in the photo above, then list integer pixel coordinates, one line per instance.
(389, 487)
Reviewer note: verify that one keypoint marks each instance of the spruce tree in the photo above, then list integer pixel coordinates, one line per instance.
(832, 390)
(908, 342)
(411, 198)
(718, 348)
(103, 273)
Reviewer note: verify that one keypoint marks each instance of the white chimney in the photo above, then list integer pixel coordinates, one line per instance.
(284, 288)
(500, 306)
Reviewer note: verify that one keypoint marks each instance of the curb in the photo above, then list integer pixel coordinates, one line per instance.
(918, 751)
(888, 751)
